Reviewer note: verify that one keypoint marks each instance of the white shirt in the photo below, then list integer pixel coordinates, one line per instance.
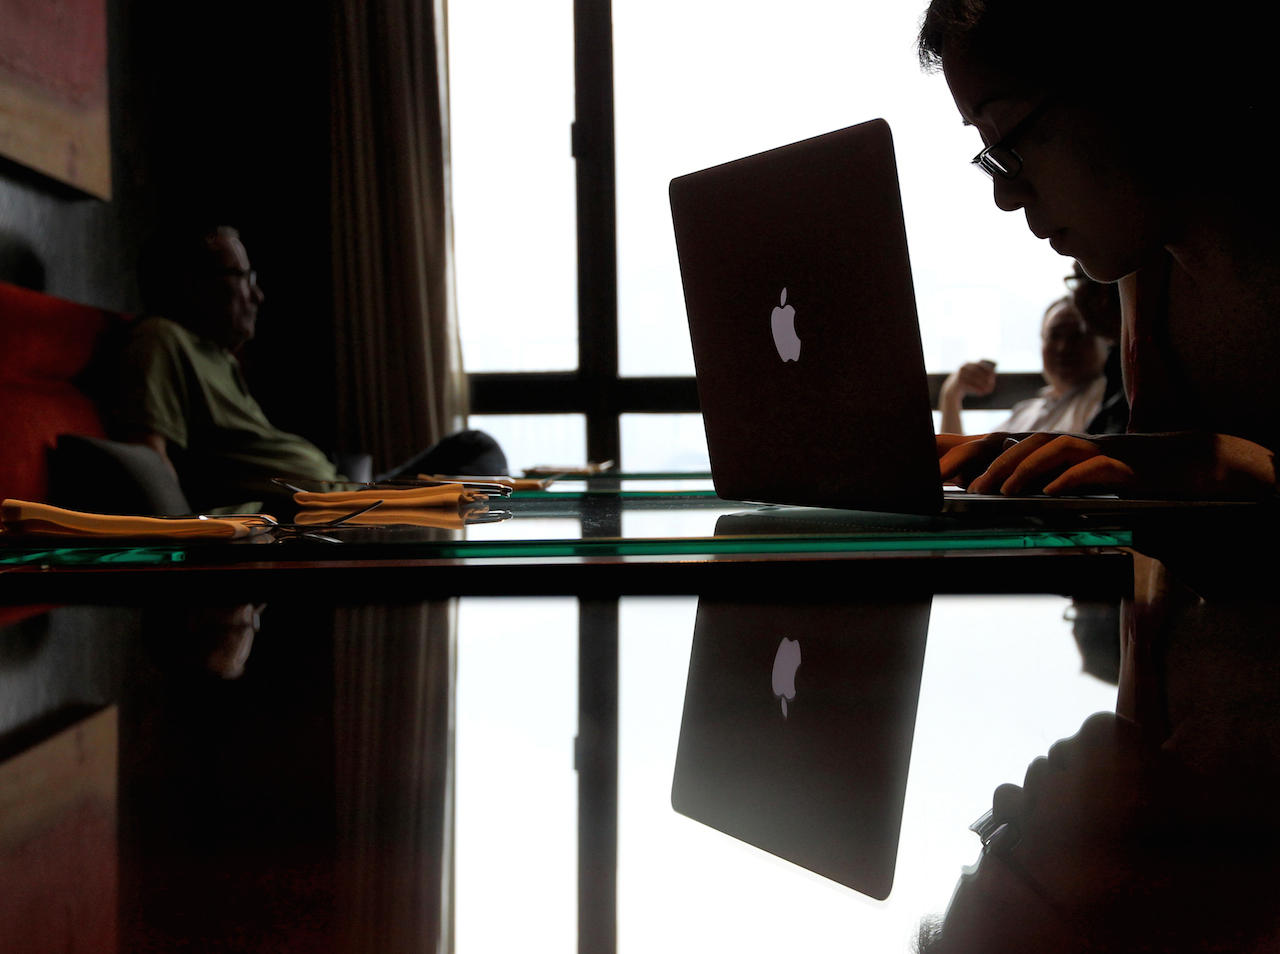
(1070, 413)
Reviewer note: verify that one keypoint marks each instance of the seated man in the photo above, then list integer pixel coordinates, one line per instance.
(182, 391)
(1074, 356)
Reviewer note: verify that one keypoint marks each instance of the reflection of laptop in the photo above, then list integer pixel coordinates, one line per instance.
(809, 761)
(805, 339)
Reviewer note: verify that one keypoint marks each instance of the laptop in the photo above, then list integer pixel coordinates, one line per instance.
(797, 729)
(806, 342)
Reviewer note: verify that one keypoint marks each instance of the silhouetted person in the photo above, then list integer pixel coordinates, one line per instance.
(183, 393)
(1083, 107)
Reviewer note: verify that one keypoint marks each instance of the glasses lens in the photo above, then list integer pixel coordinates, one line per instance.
(999, 161)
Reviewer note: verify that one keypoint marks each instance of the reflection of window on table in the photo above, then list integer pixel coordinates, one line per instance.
(569, 299)
(516, 789)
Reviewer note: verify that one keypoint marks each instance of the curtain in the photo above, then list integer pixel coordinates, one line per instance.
(394, 682)
(399, 358)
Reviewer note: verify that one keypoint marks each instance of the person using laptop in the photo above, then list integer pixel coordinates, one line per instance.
(1089, 119)
(1073, 358)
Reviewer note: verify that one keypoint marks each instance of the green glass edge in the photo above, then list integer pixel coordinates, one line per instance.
(783, 544)
(617, 546)
(84, 556)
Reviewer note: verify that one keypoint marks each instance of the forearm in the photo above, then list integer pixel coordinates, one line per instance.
(950, 401)
(158, 444)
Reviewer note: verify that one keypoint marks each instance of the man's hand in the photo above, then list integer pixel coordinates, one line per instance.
(976, 377)
(1177, 465)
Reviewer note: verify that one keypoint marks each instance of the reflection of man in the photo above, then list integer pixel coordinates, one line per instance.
(184, 395)
(1073, 356)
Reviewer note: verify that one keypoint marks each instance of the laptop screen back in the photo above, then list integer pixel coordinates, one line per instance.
(802, 316)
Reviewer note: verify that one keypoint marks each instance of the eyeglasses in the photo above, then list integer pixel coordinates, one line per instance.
(999, 158)
(248, 274)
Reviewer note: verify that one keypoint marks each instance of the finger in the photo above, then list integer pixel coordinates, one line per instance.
(1033, 782)
(947, 442)
(955, 462)
(1046, 463)
(1008, 801)
(966, 460)
(1006, 461)
(1096, 475)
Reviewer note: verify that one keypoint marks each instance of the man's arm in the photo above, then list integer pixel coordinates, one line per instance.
(152, 404)
(975, 377)
(158, 444)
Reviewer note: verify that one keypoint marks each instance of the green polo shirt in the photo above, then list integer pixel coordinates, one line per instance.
(192, 391)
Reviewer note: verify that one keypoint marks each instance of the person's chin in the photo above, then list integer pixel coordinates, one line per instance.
(1107, 268)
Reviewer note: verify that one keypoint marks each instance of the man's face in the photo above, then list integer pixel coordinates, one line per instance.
(226, 296)
(1072, 354)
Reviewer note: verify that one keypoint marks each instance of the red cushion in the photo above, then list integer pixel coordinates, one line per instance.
(45, 342)
(46, 337)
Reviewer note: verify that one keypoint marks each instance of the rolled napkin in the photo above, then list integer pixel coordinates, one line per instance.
(439, 495)
(25, 518)
(438, 518)
(515, 483)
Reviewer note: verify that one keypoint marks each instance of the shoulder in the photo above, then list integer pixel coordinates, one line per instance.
(155, 339)
(156, 331)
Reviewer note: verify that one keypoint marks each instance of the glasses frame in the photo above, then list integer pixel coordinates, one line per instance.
(1000, 159)
(249, 274)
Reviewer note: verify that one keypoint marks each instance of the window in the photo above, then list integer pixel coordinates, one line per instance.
(663, 88)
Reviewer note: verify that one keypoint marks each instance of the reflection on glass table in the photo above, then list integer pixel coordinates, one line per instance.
(650, 514)
(1002, 679)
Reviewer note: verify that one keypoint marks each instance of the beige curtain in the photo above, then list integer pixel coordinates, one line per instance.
(399, 359)
(394, 682)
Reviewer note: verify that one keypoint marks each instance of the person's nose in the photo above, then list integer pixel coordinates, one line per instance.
(256, 293)
(1009, 194)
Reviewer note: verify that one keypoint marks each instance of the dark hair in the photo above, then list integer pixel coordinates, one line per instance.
(173, 256)
(1086, 47)
(1158, 71)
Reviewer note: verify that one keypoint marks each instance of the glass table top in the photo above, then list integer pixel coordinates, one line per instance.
(321, 773)
(626, 515)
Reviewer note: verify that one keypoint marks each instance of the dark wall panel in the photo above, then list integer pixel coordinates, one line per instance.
(216, 109)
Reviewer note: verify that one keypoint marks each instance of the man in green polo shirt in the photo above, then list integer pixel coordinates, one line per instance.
(183, 393)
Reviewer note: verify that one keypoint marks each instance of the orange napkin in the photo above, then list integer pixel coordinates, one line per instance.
(515, 483)
(575, 470)
(435, 517)
(24, 518)
(441, 495)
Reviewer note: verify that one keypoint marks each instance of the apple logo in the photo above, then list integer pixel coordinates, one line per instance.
(785, 664)
(783, 322)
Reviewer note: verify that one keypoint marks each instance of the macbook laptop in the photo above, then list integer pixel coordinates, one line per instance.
(806, 342)
(797, 729)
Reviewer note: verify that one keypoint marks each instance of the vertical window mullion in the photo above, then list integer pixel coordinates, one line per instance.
(597, 223)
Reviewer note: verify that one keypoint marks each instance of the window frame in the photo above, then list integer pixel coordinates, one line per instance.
(596, 390)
